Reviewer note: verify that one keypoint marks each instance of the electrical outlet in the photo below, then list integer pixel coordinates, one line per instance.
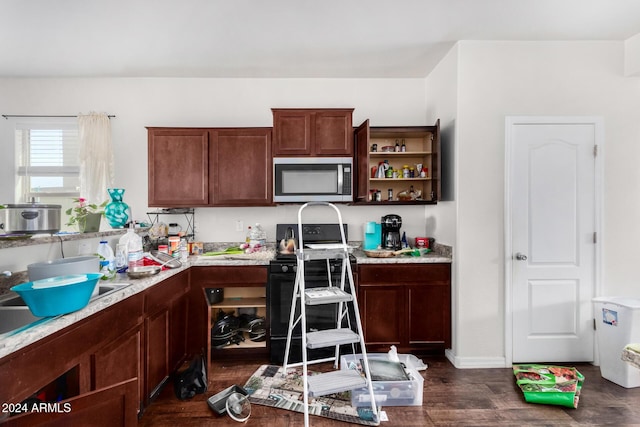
(239, 226)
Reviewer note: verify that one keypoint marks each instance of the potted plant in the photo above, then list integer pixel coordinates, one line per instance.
(85, 215)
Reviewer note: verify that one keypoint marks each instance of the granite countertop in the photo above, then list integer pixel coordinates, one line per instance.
(13, 341)
(430, 258)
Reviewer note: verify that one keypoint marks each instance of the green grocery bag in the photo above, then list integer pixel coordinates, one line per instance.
(549, 384)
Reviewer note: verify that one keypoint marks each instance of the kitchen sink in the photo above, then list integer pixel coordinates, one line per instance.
(13, 302)
(15, 315)
(107, 289)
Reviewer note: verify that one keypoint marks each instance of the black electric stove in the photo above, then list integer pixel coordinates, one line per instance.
(280, 285)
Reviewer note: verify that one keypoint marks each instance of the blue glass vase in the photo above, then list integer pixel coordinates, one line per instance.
(116, 210)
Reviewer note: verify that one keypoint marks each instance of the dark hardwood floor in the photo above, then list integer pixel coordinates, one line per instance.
(451, 397)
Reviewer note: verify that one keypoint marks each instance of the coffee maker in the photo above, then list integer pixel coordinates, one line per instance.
(391, 232)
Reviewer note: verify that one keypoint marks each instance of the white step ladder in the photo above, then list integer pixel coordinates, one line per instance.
(342, 294)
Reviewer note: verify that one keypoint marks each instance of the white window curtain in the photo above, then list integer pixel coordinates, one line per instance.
(96, 156)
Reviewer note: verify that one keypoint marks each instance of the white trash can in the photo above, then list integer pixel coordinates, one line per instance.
(617, 324)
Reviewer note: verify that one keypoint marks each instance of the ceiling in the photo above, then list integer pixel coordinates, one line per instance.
(281, 38)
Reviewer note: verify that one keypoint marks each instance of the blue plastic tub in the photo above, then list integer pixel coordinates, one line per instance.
(63, 295)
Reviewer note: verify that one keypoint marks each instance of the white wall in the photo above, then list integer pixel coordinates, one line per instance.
(442, 103)
(497, 79)
(137, 103)
(632, 56)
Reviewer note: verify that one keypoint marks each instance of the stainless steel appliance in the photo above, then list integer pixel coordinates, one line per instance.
(312, 179)
(30, 218)
(391, 232)
(280, 285)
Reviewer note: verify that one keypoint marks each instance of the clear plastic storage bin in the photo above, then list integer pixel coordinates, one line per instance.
(617, 324)
(389, 393)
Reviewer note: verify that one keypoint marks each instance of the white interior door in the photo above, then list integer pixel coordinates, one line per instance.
(552, 231)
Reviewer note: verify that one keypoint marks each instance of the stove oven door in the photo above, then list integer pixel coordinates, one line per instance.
(279, 294)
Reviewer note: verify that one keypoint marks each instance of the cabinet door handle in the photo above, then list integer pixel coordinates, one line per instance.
(521, 256)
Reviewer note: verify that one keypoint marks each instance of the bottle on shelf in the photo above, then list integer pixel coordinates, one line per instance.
(107, 260)
(403, 147)
(183, 247)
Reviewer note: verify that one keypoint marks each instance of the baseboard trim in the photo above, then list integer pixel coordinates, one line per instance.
(475, 362)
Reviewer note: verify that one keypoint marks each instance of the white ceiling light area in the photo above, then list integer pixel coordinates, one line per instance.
(281, 38)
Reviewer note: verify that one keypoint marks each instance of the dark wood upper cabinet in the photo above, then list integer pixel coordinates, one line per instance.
(422, 147)
(197, 167)
(312, 132)
(240, 166)
(361, 184)
(178, 167)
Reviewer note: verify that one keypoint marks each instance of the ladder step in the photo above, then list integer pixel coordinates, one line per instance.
(316, 296)
(335, 382)
(309, 254)
(331, 337)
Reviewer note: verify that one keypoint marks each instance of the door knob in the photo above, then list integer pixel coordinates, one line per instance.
(521, 256)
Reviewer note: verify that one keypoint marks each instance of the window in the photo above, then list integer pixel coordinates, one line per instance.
(47, 163)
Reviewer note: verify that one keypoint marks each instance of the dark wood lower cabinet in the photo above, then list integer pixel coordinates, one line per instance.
(382, 314)
(115, 406)
(178, 332)
(244, 288)
(157, 352)
(107, 366)
(406, 305)
(165, 331)
(119, 360)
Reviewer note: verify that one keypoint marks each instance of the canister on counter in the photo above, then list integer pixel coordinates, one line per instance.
(422, 242)
(163, 248)
(197, 248)
(174, 245)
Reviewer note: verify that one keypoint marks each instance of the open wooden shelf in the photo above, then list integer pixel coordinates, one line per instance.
(246, 302)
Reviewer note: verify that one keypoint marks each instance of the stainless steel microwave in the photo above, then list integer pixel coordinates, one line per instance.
(312, 179)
